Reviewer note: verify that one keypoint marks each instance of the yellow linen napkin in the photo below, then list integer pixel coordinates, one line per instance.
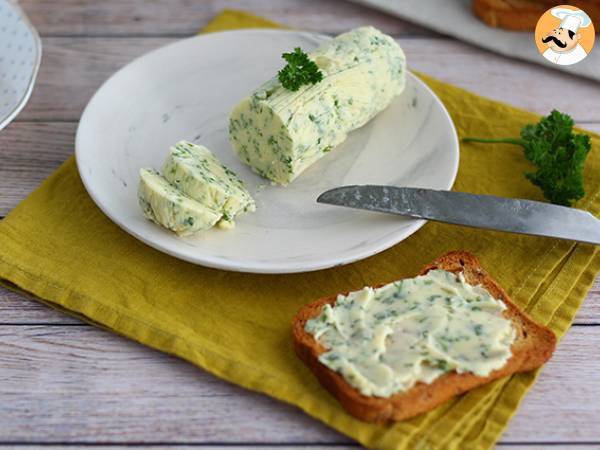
(60, 248)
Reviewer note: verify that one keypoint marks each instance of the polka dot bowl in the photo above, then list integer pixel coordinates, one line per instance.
(20, 55)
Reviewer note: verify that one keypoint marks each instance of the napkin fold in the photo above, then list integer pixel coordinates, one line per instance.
(59, 248)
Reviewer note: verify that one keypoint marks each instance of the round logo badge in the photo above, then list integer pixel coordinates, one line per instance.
(564, 35)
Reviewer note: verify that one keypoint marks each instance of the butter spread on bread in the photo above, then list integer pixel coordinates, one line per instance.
(532, 347)
(384, 340)
(279, 133)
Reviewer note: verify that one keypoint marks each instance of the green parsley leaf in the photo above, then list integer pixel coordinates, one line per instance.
(558, 153)
(300, 70)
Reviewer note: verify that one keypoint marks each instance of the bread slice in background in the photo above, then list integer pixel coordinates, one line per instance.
(532, 347)
(523, 15)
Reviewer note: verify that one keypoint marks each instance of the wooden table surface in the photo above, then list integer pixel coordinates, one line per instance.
(64, 383)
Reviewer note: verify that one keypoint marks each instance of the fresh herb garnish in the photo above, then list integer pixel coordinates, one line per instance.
(442, 365)
(558, 153)
(300, 70)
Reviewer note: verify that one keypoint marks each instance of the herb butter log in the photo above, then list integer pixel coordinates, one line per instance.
(165, 205)
(279, 133)
(195, 171)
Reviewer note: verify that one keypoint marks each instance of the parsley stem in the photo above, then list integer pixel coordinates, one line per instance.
(500, 141)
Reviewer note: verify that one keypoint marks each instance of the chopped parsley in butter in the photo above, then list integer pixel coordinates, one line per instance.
(279, 133)
(165, 205)
(195, 192)
(384, 340)
(195, 171)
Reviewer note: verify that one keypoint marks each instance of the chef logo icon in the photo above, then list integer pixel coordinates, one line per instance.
(564, 35)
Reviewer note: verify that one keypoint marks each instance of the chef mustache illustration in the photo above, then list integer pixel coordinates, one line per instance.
(558, 42)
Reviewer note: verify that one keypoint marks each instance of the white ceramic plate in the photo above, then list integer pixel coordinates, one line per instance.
(186, 91)
(20, 55)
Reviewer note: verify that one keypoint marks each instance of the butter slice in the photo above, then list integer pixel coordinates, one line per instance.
(196, 172)
(165, 205)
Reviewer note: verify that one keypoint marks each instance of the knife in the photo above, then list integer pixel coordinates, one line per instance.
(479, 211)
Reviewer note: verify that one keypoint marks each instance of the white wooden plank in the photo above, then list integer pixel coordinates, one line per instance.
(281, 447)
(184, 17)
(211, 446)
(559, 407)
(524, 85)
(73, 68)
(17, 309)
(198, 446)
(595, 127)
(208, 446)
(590, 309)
(81, 384)
(30, 152)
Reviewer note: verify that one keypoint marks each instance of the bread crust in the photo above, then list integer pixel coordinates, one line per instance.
(533, 346)
(523, 15)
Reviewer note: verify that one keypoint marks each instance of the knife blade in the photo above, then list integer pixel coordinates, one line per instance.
(479, 211)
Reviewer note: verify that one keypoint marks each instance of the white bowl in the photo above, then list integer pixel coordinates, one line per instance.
(20, 56)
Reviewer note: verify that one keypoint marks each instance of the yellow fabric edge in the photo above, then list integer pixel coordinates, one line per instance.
(233, 19)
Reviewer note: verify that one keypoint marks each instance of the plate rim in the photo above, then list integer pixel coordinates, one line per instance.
(260, 267)
(38, 59)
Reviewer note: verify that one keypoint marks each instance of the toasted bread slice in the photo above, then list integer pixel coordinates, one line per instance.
(523, 15)
(532, 347)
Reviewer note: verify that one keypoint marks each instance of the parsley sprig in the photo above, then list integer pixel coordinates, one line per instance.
(558, 153)
(300, 70)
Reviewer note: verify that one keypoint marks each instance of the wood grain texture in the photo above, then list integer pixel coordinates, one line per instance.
(595, 127)
(73, 69)
(185, 17)
(29, 153)
(82, 384)
(212, 446)
(18, 309)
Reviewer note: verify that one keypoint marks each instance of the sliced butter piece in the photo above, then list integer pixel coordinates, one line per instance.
(195, 171)
(165, 205)
(279, 133)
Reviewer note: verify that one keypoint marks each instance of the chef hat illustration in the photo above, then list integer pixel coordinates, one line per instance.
(570, 19)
